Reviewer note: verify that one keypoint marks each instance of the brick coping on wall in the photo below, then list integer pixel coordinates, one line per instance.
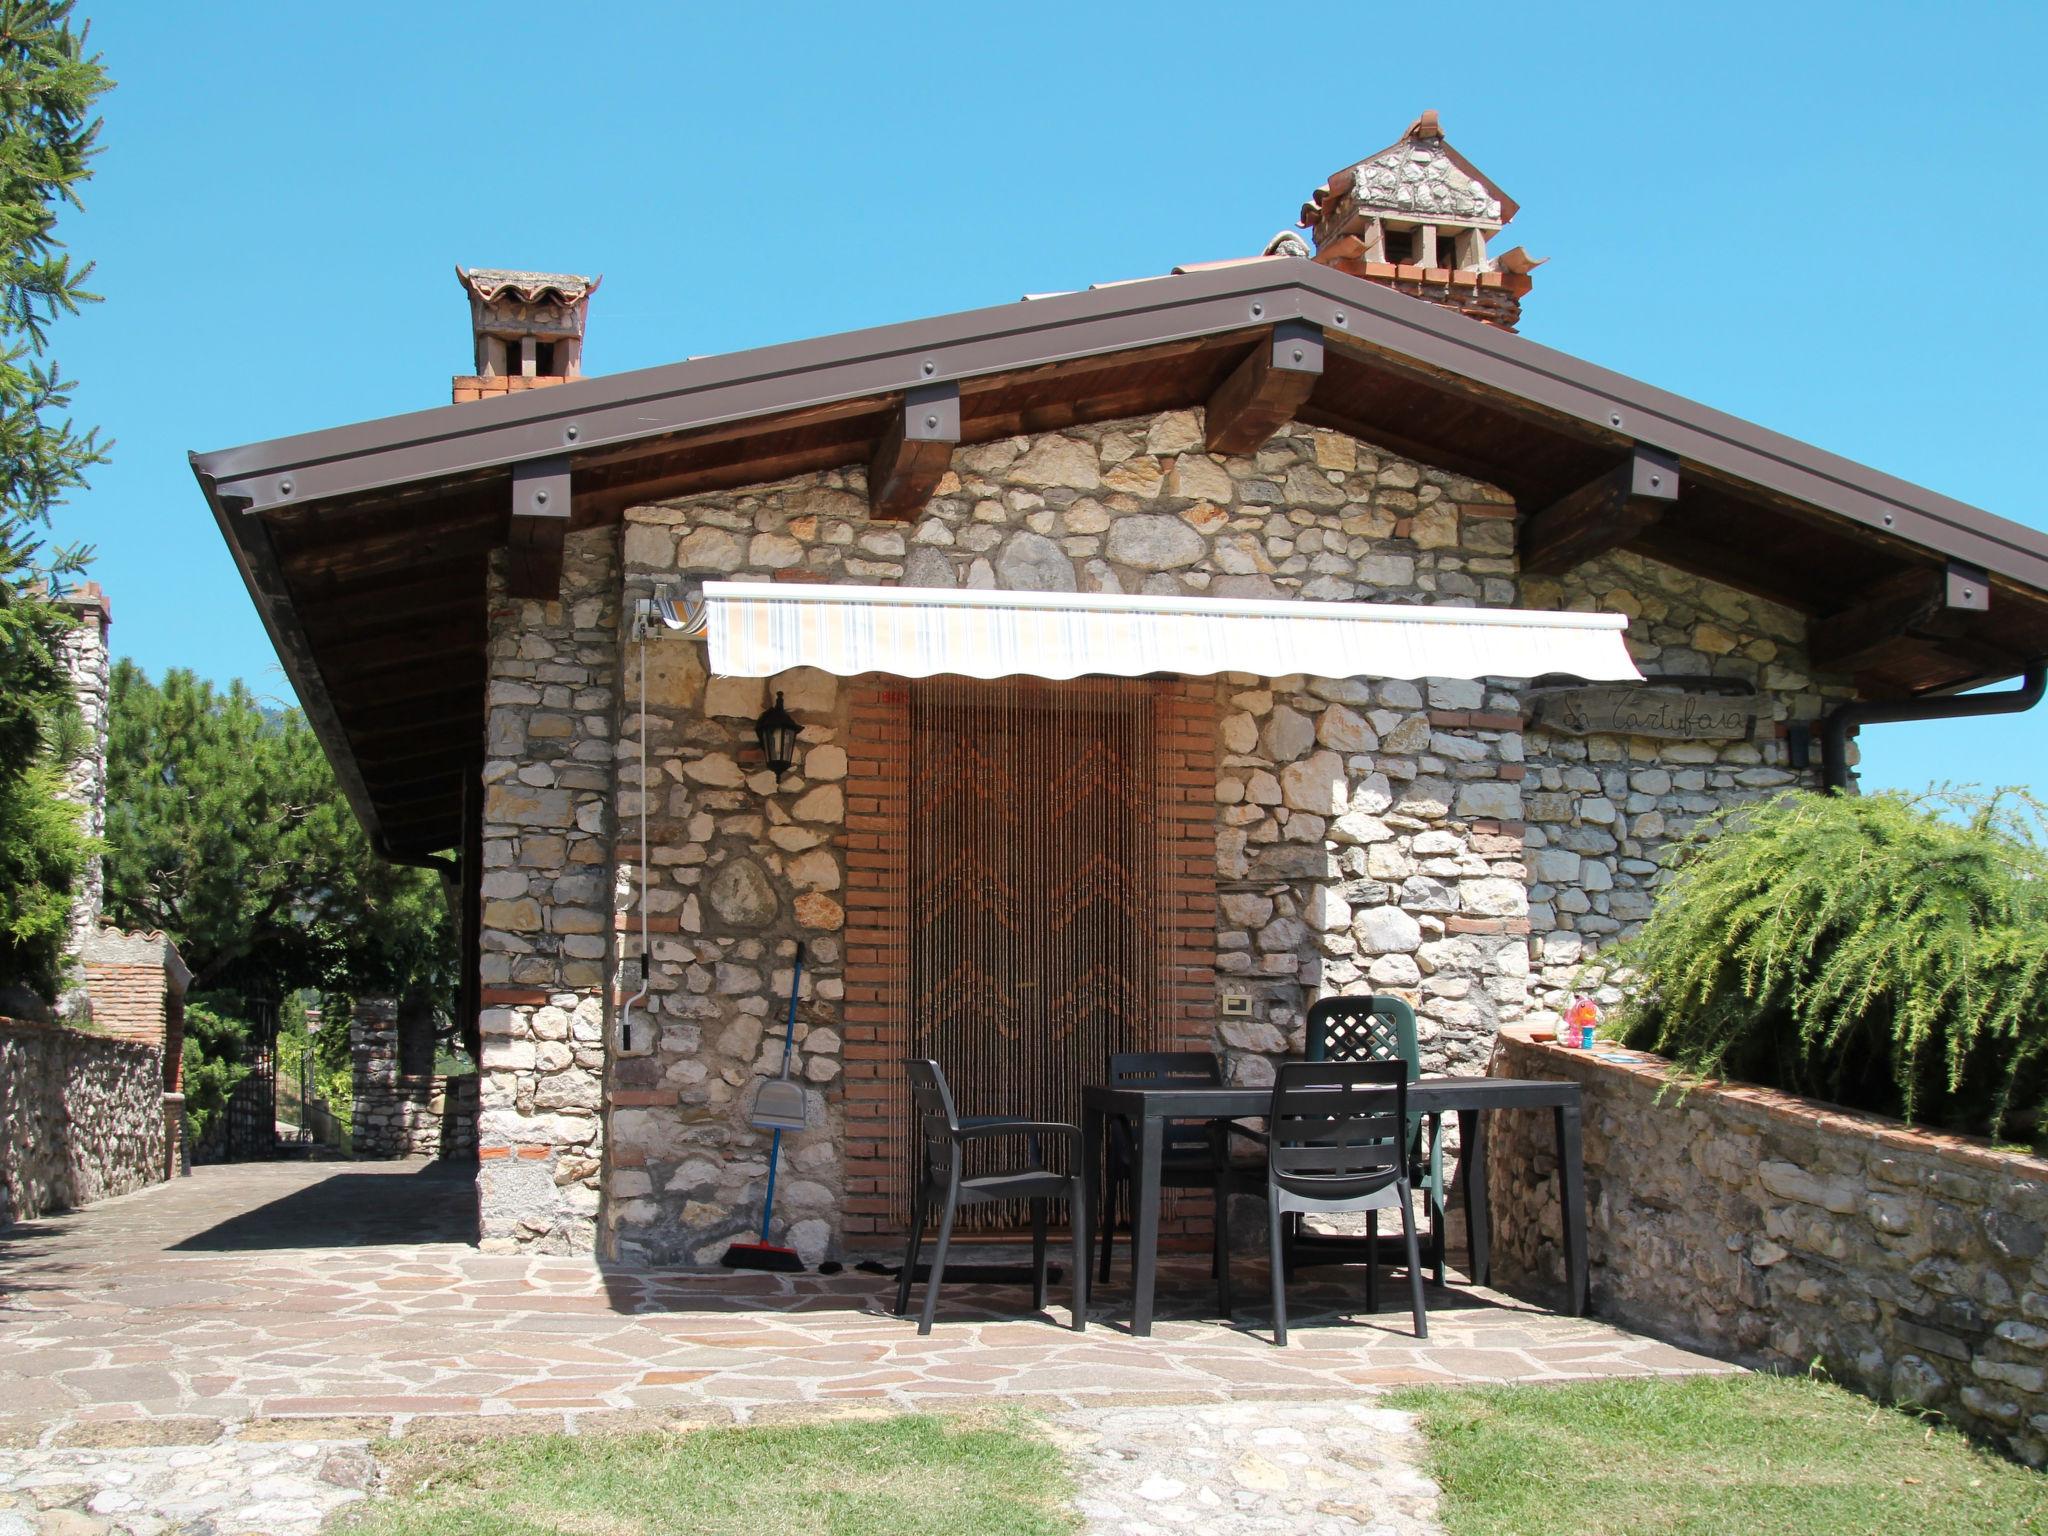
(1771, 1104)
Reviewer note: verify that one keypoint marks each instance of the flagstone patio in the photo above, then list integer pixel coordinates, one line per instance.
(349, 1292)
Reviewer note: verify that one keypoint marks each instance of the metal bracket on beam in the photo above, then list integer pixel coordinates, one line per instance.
(1266, 389)
(1601, 516)
(915, 451)
(540, 522)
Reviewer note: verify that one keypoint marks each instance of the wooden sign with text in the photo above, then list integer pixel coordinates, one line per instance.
(1635, 709)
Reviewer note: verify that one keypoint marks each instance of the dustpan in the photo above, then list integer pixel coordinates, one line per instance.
(779, 1104)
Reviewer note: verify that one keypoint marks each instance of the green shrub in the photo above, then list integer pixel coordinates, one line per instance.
(1886, 952)
(215, 1056)
(42, 849)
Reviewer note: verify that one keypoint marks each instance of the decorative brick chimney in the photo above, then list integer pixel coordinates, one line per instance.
(528, 328)
(1418, 217)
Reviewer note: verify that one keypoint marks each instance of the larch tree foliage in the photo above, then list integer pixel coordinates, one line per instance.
(49, 86)
(227, 830)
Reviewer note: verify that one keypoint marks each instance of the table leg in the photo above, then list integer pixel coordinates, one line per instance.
(1571, 1192)
(1093, 1128)
(1145, 1222)
(1472, 1157)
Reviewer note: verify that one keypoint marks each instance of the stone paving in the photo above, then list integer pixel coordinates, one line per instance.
(1237, 1469)
(331, 1303)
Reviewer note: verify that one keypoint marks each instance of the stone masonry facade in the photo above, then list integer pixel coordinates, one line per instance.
(1779, 1231)
(1602, 811)
(1368, 835)
(548, 784)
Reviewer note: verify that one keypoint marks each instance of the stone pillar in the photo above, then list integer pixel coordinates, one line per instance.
(83, 650)
(545, 931)
(373, 1053)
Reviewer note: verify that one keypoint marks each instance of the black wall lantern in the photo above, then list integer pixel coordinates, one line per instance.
(777, 732)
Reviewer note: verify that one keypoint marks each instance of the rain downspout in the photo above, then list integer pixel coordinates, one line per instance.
(1837, 724)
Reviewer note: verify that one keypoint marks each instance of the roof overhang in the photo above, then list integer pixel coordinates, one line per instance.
(364, 546)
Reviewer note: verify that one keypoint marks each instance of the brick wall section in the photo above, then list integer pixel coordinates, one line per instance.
(136, 985)
(1778, 1231)
(877, 945)
(83, 1118)
(128, 1001)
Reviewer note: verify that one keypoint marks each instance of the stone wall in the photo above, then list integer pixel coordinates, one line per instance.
(83, 1117)
(1367, 835)
(398, 1113)
(1603, 811)
(1779, 1231)
(547, 903)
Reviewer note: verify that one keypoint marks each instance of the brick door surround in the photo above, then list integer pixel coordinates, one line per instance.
(875, 853)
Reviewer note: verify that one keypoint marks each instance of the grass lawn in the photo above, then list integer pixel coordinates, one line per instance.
(1690, 1456)
(905, 1476)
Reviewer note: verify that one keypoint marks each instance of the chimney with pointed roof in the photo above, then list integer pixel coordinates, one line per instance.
(528, 328)
(1419, 217)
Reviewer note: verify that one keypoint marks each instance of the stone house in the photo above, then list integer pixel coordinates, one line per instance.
(1119, 525)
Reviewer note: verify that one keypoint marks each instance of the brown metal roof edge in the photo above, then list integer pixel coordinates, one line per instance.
(676, 397)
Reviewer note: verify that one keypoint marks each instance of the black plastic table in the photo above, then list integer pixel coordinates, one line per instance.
(1471, 1099)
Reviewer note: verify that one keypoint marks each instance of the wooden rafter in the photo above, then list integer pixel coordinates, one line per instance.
(1601, 516)
(1267, 389)
(1926, 602)
(915, 452)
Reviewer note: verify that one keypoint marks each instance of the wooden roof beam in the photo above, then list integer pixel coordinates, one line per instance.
(1924, 602)
(1267, 388)
(1601, 516)
(540, 522)
(915, 452)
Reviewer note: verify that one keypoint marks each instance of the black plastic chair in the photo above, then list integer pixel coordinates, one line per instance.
(1381, 1029)
(1335, 1143)
(941, 1137)
(1196, 1153)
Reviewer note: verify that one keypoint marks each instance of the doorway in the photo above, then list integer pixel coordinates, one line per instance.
(1037, 867)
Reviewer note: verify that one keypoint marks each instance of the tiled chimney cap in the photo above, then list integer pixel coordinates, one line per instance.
(493, 283)
(1420, 176)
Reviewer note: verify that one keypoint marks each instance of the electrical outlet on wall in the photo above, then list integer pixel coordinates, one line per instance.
(1237, 1005)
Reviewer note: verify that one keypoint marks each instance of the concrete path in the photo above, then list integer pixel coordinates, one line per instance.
(233, 1339)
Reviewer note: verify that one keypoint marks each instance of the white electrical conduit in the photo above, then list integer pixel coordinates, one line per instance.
(645, 611)
(626, 1018)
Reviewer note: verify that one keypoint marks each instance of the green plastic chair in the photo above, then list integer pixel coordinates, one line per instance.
(1383, 1029)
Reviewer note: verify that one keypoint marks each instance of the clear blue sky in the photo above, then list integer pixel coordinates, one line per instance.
(1827, 218)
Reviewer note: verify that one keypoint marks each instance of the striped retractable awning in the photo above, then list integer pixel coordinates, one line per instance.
(757, 629)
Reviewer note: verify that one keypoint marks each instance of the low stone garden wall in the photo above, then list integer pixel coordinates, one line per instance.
(430, 1116)
(1782, 1232)
(81, 1118)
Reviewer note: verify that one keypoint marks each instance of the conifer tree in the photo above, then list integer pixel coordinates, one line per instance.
(49, 86)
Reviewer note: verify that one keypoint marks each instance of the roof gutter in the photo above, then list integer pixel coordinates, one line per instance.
(1836, 726)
